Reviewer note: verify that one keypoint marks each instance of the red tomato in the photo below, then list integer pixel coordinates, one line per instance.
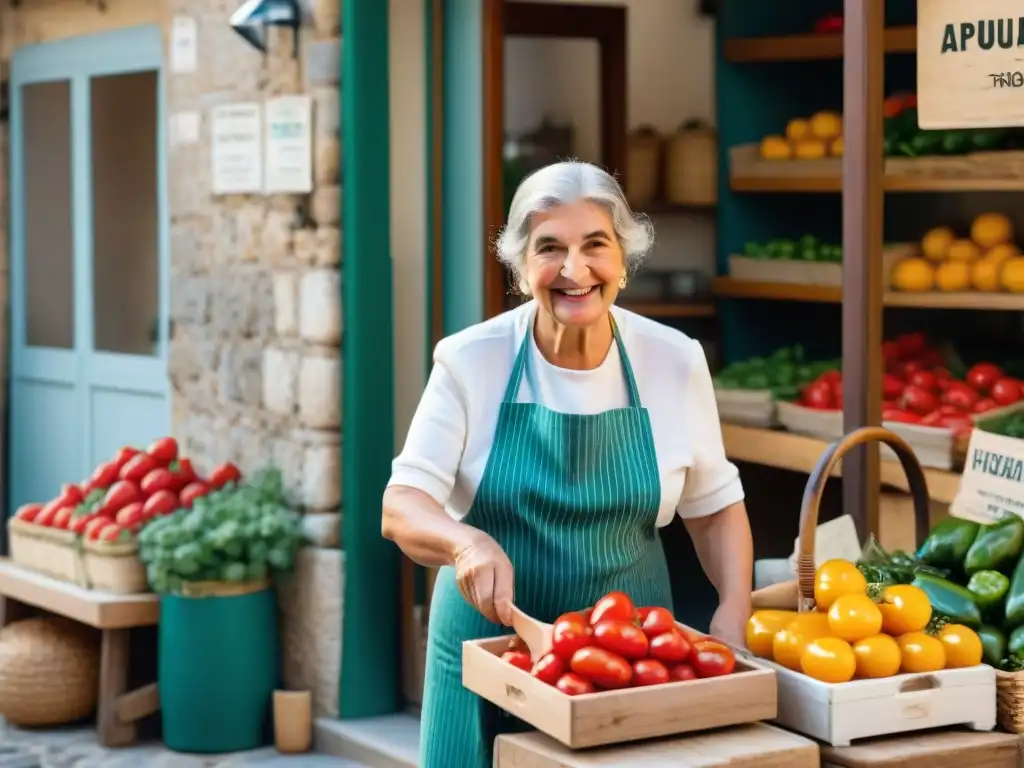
(164, 450)
(160, 503)
(183, 473)
(901, 416)
(983, 375)
(657, 622)
(918, 400)
(78, 524)
(191, 492)
(911, 344)
(130, 516)
(909, 368)
(605, 669)
(62, 517)
(950, 410)
(113, 532)
(614, 605)
(681, 672)
(159, 479)
(892, 387)
(519, 659)
(549, 669)
(890, 354)
(573, 685)
(224, 474)
(105, 476)
(1007, 391)
(933, 419)
(819, 395)
(138, 467)
(961, 396)
(649, 672)
(28, 512)
(95, 526)
(984, 405)
(622, 637)
(671, 647)
(960, 425)
(124, 455)
(642, 614)
(837, 394)
(926, 380)
(70, 495)
(120, 495)
(569, 633)
(830, 377)
(45, 516)
(712, 659)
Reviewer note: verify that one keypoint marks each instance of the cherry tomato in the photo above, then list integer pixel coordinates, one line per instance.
(984, 405)
(909, 368)
(160, 503)
(911, 344)
(962, 646)
(890, 354)
(224, 474)
(549, 668)
(95, 526)
(790, 642)
(159, 479)
(950, 410)
(573, 685)
(164, 450)
(960, 395)
(830, 377)
(921, 653)
(877, 656)
(960, 424)
(184, 473)
(892, 387)
(80, 523)
(925, 380)
(762, 627)
(130, 516)
(918, 400)
(712, 659)
(28, 512)
(614, 605)
(819, 395)
(519, 659)
(569, 633)
(933, 419)
(681, 672)
(649, 672)
(1007, 391)
(105, 476)
(901, 416)
(621, 637)
(138, 467)
(62, 517)
(837, 394)
(657, 622)
(45, 516)
(605, 669)
(854, 617)
(70, 495)
(983, 375)
(191, 492)
(121, 494)
(835, 578)
(113, 532)
(124, 455)
(671, 647)
(829, 660)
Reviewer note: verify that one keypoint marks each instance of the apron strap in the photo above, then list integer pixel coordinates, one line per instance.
(515, 380)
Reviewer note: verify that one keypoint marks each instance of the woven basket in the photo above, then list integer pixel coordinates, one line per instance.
(1010, 700)
(49, 672)
(691, 166)
(643, 166)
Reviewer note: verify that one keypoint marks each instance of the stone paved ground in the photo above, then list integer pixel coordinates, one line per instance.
(77, 748)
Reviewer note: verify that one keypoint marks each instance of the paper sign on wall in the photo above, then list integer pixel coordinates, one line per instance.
(970, 66)
(237, 148)
(184, 45)
(992, 484)
(289, 151)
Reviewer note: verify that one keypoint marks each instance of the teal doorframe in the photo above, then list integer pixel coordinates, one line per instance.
(370, 670)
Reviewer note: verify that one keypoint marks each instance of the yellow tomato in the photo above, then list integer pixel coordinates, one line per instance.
(829, 659)
(762, 627)
(836, 578)
(921, 653)
(991, 229)
(962, 646)
(953, 276)
(854, 617)
(877, 656)
(913, 275)
(904, 609)
(790, 642)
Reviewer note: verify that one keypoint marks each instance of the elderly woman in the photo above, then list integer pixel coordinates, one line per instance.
(551, 444)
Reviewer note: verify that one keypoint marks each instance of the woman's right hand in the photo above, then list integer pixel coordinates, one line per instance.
(485, 578)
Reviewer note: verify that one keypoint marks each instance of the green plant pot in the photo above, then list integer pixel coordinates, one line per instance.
(218, 668)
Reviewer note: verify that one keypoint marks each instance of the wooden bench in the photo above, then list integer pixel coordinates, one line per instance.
(118, 709)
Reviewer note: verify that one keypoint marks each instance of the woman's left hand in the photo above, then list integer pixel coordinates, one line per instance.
(730, 622)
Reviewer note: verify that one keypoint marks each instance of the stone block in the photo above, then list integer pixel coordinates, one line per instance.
(280, 379)
(320, 306)
(322, 529)
(326, 111)
(244, 304)
(240, 373)
(286, 309)
(326, 162)
(190, 299)
(278, 236)
(325, 206)
(321, 477)
(320, 391)
(323, 62)
(311, 601)
(329, 251)
(306, 245)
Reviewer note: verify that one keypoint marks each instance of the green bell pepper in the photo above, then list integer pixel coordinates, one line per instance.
(1015, 597)
(1015, 645)
(948, 543)
(956, 142)
(988, 139)
(949, 600)
(923, 144)
(997, 547)
(989, 589)
(993, 645)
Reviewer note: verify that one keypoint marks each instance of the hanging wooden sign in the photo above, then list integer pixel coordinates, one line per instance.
(970, 64)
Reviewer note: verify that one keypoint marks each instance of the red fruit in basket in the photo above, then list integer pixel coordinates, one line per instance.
(549, 668)
(159, 504)
(124, 455)
(984, 405)
(70, 495)
(712, 659)
(616, 606)
(224, 474)
(960, 395)
(657, 622)
(95, 526)
(159, 479)
(569, 633)
(114, 532)
(104, 476)
(120, 495)
(909, 368)
(183, 473)
(919, 400)
(983, 375)
(900, 415)
(622, 637)
(961, 425)
(926, 380)
(649, 672)
(1006, 391)
(131, 516)
(681, 672)
(890, 355)
(519, 659)
(164, 450)
(62, 517)
(911, 344)
(191, 492)
(933, 419)
(28, 512)
(671, 647)
(79, 523)
(45, 516)
(820, 395)
(892, 387)
(137, 468)
(573, 685)
(601, 667)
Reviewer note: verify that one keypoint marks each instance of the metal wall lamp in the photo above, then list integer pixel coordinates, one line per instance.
(253, 17)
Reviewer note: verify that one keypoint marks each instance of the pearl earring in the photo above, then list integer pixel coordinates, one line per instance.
(622, 282)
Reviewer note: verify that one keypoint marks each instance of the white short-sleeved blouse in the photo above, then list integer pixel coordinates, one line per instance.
(451, 433)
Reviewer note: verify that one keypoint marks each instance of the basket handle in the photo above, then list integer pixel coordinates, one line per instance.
(816, 485)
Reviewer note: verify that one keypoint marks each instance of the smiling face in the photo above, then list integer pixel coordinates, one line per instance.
(574, 263)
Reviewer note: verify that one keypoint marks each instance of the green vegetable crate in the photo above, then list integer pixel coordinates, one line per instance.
(805, 261)
(749, 407)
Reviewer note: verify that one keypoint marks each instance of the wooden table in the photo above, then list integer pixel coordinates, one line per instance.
(935, 749)
(757, 745)
(118, 710)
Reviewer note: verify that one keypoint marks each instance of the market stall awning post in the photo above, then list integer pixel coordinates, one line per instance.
(863, 176)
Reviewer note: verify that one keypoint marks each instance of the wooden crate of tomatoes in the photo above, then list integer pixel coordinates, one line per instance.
(616, 673)
(87, 535)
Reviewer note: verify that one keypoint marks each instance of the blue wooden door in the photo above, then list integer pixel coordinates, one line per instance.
(89, 256)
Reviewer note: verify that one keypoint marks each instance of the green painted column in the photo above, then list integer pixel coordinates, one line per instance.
(370, 668)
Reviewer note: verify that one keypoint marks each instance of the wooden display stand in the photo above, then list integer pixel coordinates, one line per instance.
(744, 746)
(118, 710)
(937, 749)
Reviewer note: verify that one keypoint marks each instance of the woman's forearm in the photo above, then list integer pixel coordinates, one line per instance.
(421, 528)
(725, 548)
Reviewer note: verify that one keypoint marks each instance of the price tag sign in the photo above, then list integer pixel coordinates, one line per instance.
(970, 64)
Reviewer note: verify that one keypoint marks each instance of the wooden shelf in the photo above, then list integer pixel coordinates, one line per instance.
(664, 208)
(665, 309)
(783, 450)
(976, 172)
(809, 47)
(731, 288)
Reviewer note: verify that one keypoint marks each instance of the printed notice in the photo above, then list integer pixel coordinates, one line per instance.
(289, 152)
(237, 156)
(184, 45)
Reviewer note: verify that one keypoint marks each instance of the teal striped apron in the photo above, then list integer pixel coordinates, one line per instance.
(573, 500)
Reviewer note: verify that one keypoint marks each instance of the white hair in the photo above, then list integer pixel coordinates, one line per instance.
(563, 184)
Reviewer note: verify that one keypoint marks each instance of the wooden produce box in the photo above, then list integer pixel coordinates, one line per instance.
(609, 717)
(756, 745)
(114, 567)
(800, 272)
(837, 714)
(936, 749)
(750, 407)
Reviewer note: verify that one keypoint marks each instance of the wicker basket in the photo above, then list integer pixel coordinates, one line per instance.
(691, 166)
(49, 671)
(643, 166)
